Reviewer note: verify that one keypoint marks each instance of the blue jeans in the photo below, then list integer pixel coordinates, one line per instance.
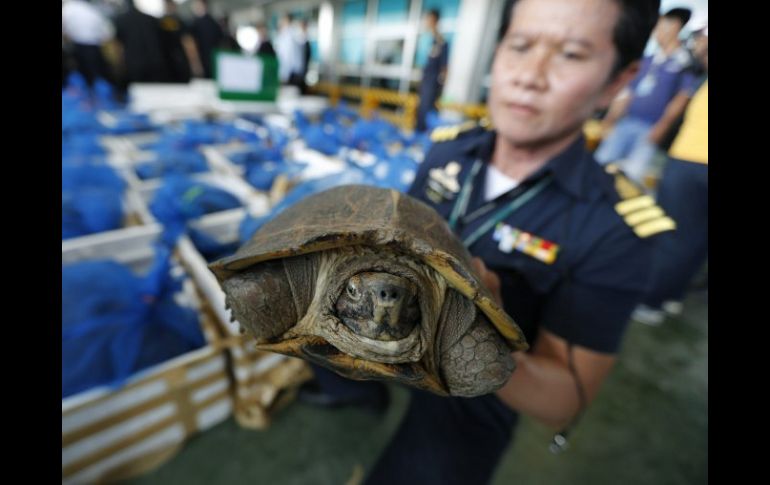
(628, 147)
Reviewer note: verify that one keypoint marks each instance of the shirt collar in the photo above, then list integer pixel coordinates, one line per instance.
(569, 168)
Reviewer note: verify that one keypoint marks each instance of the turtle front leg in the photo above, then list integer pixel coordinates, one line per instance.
(270, 298)
(478, 361)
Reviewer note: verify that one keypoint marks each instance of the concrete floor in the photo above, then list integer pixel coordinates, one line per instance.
(649, 424)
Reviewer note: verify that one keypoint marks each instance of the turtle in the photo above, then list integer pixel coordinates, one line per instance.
(371, 283)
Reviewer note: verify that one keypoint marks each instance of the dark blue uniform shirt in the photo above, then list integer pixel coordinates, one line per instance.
(588, 291)
(437, 61)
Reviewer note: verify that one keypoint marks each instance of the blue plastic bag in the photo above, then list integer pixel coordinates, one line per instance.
(181, 198)
(91, 198)
(168, 163)
(115, 323)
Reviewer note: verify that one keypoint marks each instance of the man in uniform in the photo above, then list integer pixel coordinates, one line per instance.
(434, 72)
(208, 35)
(563, 243)
(139, 43)
(179, 48)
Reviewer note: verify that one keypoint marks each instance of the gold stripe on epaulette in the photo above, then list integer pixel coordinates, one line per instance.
(628, 206)
(446, 133)
(644, 215)
(655, 226)
(626, 188)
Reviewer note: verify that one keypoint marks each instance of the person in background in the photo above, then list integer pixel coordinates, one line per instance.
(265, 46)
(306, 55)
(228, 41)
(697, 70)
(434, 72)
(288, 46)
(86, 30)
(208, 35)
(640, 118)
(140, 47)
(179, 49)
(683, 193)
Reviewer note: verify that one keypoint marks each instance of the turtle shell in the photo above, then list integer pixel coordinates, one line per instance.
(362, 215)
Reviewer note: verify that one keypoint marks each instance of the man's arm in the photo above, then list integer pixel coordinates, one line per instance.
(674, 110)
(193, 57)
(543, 387)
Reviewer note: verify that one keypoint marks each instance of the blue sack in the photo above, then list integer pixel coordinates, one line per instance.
(210, 248)
(325, 139)
(91, 199)
(181, 198)
(126, 122)
(256, 153)
(168, 163)
(81, 144)
(115, 323)
(397, 172)
(89, 211)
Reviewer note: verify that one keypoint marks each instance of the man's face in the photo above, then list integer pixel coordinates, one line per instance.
(430, 22)
(666, 30)
(198, 8)
(551, 71)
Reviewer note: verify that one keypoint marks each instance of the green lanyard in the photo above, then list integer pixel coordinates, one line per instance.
(461, 206)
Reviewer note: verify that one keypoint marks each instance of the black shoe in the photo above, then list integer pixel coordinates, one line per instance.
(375, 401)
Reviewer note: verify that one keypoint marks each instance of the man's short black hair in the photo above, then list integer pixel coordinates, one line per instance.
(680, 14)
(435, 13)
(635, 24)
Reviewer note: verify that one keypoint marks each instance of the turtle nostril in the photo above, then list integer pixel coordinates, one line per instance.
(394, 295)
(383, 294)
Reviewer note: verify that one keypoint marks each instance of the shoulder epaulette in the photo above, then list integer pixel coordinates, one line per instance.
(637, 208)
(447, 133)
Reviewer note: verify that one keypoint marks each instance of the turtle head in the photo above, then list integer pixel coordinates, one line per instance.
(379, 306)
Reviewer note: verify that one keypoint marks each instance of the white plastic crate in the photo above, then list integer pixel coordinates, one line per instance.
(109, 434)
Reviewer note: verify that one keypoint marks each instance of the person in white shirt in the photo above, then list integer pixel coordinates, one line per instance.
(288, 46)
(84, 26)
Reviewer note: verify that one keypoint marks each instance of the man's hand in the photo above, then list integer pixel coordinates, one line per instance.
(488, 279)
(657, 132)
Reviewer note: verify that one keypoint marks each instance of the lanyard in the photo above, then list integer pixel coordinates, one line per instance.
(461, 206)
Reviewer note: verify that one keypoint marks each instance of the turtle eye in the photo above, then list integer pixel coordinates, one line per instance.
(353, 291)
